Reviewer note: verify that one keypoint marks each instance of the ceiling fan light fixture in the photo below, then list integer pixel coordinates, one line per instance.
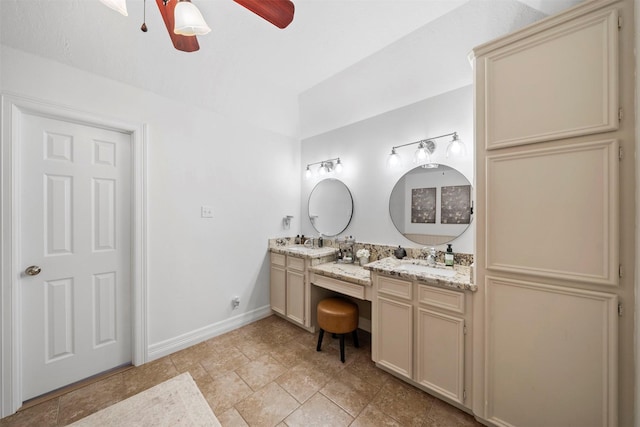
(189, 20)
(117, 5)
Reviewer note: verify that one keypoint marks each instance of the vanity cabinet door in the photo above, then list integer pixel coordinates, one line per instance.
(278, 285)
(440, 353)
(394, 335)
(295, 296)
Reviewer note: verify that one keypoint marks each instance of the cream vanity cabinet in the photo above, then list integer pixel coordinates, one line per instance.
(555, 208)
(290, 293)
(419, 333)
(288, 287)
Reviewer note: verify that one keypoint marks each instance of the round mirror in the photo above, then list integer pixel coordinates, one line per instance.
(431, 206)
(330, 207)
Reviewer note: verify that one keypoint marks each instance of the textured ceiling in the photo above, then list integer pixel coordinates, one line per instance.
(243, 55)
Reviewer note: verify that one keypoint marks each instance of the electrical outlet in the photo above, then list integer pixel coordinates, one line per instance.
(235, 302)
(206, 212)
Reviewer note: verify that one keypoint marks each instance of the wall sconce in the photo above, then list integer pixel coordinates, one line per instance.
(426, 148)
(326, 166)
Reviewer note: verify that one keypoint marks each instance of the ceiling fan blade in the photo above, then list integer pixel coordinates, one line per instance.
(180, 42)
(278, 12)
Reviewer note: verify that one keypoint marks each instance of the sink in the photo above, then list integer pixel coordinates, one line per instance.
(424, 269)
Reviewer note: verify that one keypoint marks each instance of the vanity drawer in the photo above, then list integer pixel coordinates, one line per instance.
(441, 298)
(295, 263)
(278, 259)
(394, 287)
(345, 288)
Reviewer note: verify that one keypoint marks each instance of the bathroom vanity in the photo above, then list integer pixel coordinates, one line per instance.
(290, 292)
(420, 315)
(421, 325)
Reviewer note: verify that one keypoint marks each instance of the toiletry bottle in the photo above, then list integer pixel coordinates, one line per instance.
(303, 239)
(297, 240)
(448, 256)
(320, 241)
(339, 254)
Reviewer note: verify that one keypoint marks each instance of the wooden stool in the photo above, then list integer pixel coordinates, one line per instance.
(339, 317)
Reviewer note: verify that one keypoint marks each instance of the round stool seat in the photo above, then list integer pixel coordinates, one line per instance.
(337, 316)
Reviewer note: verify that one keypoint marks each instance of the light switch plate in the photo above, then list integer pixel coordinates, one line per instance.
(206, 212)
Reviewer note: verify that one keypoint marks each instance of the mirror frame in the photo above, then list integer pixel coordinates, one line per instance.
(311, 219)
(438, 203)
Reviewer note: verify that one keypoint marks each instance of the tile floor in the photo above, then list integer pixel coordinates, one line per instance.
(267, 373)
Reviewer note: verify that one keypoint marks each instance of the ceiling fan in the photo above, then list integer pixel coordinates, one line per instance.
(278, 12)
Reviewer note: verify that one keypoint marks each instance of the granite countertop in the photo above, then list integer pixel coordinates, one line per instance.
(393, 267)
(348, 272)
(301, 251)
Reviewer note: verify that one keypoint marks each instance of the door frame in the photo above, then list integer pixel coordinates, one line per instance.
(13, 109)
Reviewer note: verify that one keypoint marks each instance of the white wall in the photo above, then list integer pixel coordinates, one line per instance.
(364, 147)
(249, 176)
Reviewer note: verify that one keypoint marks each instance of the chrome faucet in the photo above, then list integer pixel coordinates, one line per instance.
(431, 258)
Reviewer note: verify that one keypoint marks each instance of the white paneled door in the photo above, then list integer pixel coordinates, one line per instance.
(75, 251)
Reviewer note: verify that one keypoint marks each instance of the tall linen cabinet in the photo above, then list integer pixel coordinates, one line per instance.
(554, 127)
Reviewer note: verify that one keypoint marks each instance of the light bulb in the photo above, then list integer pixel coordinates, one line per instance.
(307, 173)
(189, 20)
(393, 159)
(456, 147)
(338, 166)
(422, 155)
(323, 169)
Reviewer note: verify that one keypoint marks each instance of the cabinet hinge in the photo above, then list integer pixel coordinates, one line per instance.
(620, 309)
(620, 114)
(619, 22)
(620, 271)
(620, 153)
(464, 395)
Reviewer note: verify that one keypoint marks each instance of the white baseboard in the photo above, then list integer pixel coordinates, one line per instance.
(164, 348)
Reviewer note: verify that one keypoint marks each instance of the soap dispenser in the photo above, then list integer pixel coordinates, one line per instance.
(448, 256)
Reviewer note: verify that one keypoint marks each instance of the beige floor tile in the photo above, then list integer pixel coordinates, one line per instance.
(303, 381)
(293, 352)
(261, 371)
(44, 414)
(230, 360)
(183, 360)
(444, 415)
(87, 400)
(318, 411)
(255, 348)
(373, 417)
(267, 407)
(350, 392)
(224, 391)
(364, 368)
(403, 402)
(231, 418)
(329, 360)
(148, 375)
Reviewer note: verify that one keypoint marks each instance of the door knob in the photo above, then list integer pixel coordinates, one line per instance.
(33, 270)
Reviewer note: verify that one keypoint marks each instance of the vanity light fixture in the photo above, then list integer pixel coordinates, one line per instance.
(426, 148)
(326, 166)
